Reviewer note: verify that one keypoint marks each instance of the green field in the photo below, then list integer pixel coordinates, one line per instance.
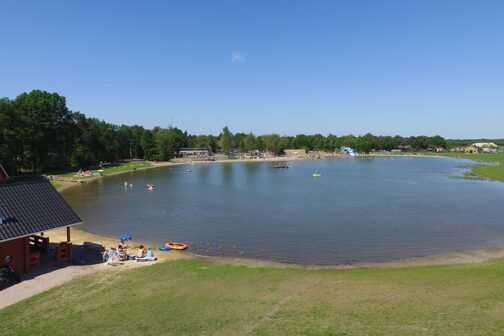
(192, 297)
(493, 172)
(113, 169)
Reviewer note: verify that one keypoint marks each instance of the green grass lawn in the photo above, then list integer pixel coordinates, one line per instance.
(119, 168)
(125, 167)
(192, 297)
(497, 158)
(494, 172)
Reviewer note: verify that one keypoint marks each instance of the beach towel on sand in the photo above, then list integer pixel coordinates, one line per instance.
(146, 259)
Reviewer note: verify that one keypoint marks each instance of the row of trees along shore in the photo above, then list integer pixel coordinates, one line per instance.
(38, 133)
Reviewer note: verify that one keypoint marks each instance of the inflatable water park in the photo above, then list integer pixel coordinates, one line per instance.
(348, 151)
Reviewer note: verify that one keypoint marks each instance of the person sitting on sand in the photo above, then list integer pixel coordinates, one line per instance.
(122, 253)
(141, 252)
(148, 257)
(124, 244)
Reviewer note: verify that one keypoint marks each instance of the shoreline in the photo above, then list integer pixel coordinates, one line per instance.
(64, 185)
(445, 259)
(466, 257)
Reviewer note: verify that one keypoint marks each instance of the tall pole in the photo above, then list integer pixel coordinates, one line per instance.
(68, 234)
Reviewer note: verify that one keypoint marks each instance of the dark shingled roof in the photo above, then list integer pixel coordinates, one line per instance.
(31, 207)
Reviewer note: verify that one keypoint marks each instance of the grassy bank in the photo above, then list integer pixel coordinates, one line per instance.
(493, 172)
(109, 170)
(191, 297)
(65, 180)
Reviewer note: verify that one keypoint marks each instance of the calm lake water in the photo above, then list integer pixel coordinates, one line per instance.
(360, 210)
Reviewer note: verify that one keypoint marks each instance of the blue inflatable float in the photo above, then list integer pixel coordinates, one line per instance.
(125, 237)
(165, 248)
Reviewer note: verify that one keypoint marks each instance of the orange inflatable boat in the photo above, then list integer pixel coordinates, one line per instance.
(177, 246)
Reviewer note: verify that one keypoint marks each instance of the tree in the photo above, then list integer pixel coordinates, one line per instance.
(300, 141)
(48, 128)
(136, 141)
(226, 140)
(438, 141)
(148, 145)
(317, 142)
(348, 141)
(204, 141)
(11, 140)
(388, 143)
(366, 143)
(331, 143)
(249, 142)
(238, 140)
(274, 143)
(124, 142)
(83, 154)
(168, 141)
(420, 142)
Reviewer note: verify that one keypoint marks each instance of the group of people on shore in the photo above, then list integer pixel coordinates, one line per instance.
(142, 254)
(86, 173)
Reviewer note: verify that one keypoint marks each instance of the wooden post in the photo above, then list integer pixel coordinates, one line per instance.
(68, 234)
(26, 241)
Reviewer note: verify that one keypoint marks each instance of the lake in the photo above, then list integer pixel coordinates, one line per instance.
(359, 210)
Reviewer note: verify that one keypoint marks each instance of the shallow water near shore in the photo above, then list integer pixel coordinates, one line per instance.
(358, 211)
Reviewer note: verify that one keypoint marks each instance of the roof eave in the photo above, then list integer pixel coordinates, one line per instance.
(33, 233)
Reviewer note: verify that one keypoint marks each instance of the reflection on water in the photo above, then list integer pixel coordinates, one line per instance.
(361, 210)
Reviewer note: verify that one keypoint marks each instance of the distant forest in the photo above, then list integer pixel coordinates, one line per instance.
(39, 133)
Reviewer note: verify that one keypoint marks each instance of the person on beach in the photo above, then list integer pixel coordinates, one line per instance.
(141, 252)
(149, 257)
(122, 253)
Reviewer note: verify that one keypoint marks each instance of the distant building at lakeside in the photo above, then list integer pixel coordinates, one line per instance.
(472, 150)
(295, 152)
(404, 148)
(195, 152)
(485, 145)
(481, 147)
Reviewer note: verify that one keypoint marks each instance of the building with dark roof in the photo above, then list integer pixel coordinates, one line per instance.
(27, 209)
(195, 152)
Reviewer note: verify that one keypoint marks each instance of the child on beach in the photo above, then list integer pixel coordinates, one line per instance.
(141, 252)
(122, 253)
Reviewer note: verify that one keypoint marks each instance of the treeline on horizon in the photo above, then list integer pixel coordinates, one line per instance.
(39, 133)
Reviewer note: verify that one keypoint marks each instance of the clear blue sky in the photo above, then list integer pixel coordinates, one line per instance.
(386, 67)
